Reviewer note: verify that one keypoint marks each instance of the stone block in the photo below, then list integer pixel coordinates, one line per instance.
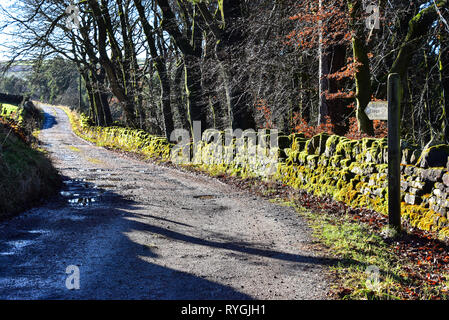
(412, 199)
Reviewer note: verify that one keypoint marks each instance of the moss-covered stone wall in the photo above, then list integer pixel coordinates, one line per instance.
(355, 172)
(351, 171)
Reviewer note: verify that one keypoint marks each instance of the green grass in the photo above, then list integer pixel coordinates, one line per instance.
(360, 250)
(26, 174)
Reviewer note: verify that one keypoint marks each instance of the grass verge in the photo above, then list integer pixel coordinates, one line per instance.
(27, 176)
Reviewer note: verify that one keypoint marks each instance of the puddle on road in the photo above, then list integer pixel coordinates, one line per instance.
(39, 231)
(73, 181)
(7, 253)
(15, 246)
(67, 157)
(94, 170)
(89, 191)
(80, 193)
(82, 201)
(18, 244)
(75, 217)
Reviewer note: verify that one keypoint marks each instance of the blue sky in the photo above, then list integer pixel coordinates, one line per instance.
(3, 36)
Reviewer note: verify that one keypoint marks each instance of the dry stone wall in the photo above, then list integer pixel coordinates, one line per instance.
(351, 171)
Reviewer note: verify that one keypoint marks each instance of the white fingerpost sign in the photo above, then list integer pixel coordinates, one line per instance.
(377, 110)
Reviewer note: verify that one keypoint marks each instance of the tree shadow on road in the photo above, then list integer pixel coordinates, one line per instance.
(49, 121)
(112, 265)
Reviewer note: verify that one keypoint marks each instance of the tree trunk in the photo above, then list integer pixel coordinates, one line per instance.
(178, 95)
(323, 72)
(161, 69)
(338, 110)
(115, 76)
(103, 97)
(191, 50)
(90, 95)
(363, 74)
(443, 58)
(363, 85)
(196, 105)
(418, 27)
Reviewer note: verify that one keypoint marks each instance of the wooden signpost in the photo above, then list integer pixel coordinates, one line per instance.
(390, 110)
(394, 151)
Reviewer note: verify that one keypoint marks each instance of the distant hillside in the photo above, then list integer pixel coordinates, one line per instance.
(18, 69)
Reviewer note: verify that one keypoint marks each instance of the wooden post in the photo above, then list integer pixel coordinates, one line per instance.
(394, 151)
